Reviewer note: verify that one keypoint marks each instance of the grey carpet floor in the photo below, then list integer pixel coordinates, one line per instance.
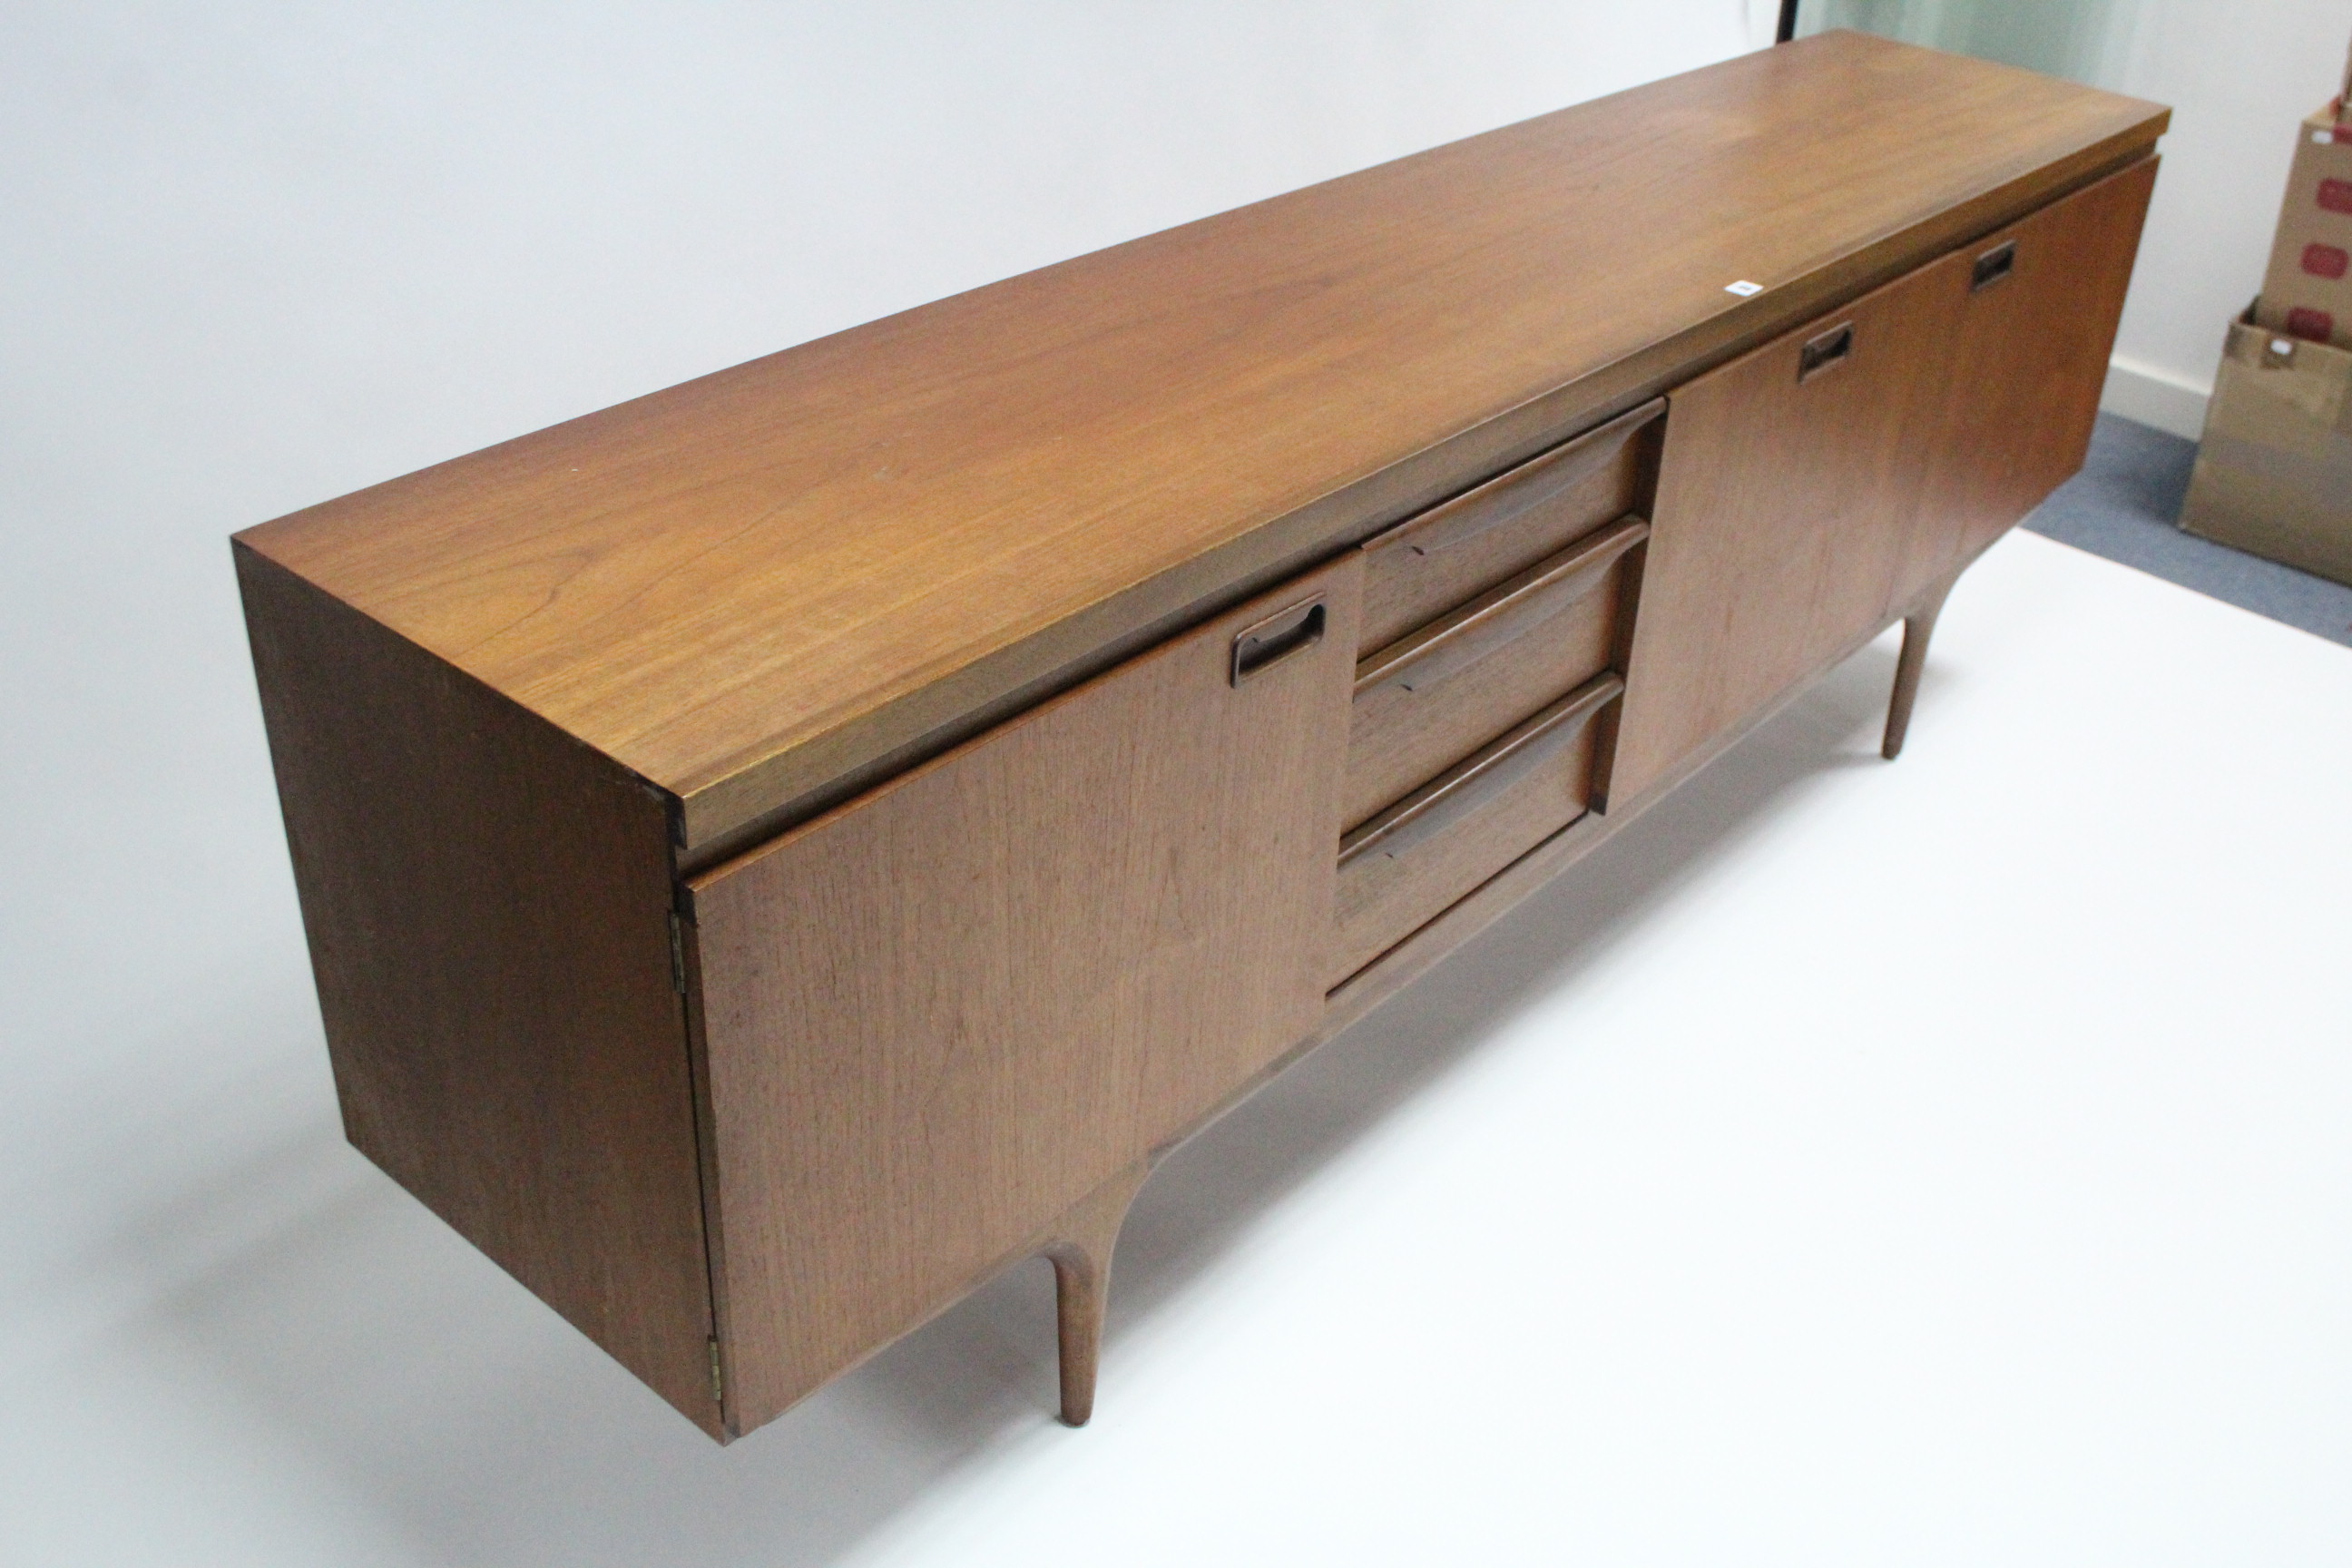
(2125, 505)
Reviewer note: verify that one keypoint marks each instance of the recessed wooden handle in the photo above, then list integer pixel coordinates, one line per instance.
(1435, 653)
(1993, 267)
(1440, 804)
(1292, 631)
(1519, 490)
(1827, 351)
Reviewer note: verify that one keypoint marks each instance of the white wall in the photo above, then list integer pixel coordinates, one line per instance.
(349, 241)
(2239, 78)
(257, 253)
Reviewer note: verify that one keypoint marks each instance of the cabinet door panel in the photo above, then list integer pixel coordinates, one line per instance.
(2036, 310)
(1786, 496)
(938, 1018)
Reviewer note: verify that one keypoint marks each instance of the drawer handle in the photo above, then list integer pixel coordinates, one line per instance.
(1425, 658)
(1517, 491)
(1827, 351)
(1495, 768)
(1292, 631)
(1993, 267)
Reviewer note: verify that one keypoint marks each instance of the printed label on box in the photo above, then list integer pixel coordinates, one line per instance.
(2307, 287)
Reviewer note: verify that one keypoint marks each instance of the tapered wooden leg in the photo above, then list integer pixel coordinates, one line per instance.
(1918, 628)
(1081, 1254)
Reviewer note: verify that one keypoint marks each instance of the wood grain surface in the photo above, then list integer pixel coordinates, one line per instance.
(1425, 566)
(937, 1018)
(487, 905)
(1513, 651)
(1786, 504)
(1403, 867)
(2008, 420)
(1083, 1241)
(761, 588)
(2028, 362)
(1434, 942)
(1918, 630)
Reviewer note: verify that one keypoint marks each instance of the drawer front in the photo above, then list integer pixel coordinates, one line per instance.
(937, 1018)
(1448, 554)
(1432, 697)
(1409, 863)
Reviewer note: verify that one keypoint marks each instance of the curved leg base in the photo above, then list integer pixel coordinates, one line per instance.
(1080, 1251)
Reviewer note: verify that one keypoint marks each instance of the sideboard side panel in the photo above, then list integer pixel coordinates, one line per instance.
(940, 1016)
(488, 906)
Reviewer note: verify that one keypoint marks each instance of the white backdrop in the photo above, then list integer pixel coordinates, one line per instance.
(2051, 1273)
(258, 254)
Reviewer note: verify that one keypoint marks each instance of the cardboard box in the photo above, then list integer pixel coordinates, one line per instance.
(2274, 471)
(2308, 290)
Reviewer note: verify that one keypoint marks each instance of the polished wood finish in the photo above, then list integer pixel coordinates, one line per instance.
(1785, 506)
(1448, 554)
(488, 908)
(1996, 421)
(1080, 1251)
(1408, 863)
(2027, 363)
(779, 851)
(1431, 698)
(937, 1018)
(1798, 505)
(1919, 626)
(1364, 990)
(763, 589)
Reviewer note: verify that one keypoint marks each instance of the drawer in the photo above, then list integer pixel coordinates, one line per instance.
(1406, 865)
(1426, 566)
(1434, 696)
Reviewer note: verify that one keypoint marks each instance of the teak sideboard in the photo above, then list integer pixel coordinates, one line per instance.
(777, 851)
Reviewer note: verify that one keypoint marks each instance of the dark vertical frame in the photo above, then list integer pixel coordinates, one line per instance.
(1788, 28)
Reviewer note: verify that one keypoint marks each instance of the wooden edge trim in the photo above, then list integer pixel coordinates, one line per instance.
(687, 936)
(1491, 504)
(516, 1093)
(1493, 767)
(762, 795)
(1418, 954)
(1541, 591)
(1431, 944)
(1039, 1244)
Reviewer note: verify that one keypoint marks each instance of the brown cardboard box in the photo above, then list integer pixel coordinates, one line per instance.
(2275, 472)
(2308, 290)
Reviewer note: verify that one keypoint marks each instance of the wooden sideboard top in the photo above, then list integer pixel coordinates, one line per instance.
(755, 587)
